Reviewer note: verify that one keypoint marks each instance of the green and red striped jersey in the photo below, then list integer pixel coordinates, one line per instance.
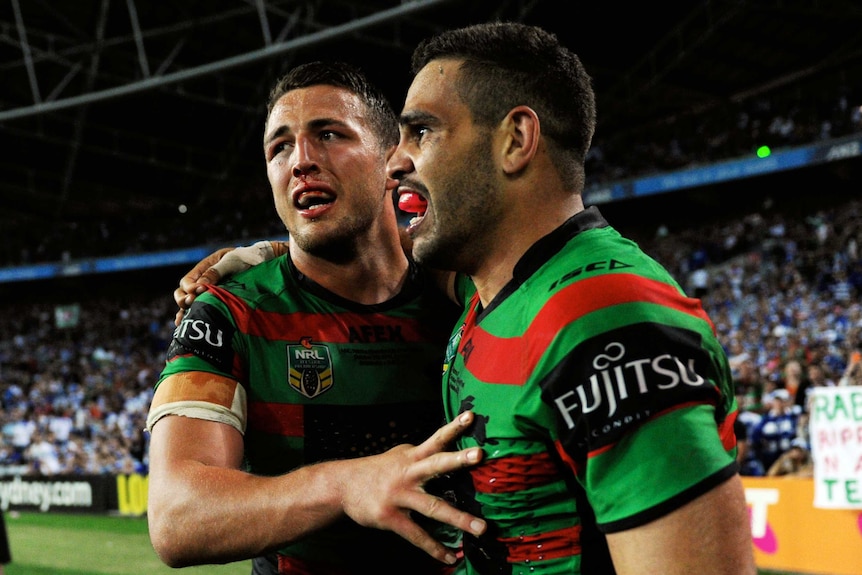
(325, 378)
(602, 396)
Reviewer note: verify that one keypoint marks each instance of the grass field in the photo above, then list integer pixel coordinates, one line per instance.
(58, 544)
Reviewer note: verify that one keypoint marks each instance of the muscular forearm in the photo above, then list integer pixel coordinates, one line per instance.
(204, 514)
(204, 509)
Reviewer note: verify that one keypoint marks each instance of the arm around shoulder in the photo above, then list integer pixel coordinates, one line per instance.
(221, 264)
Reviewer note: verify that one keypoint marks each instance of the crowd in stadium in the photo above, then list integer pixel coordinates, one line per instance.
(784, 294)
(75, 398)
(779, 121)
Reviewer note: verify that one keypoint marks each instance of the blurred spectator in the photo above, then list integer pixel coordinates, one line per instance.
(796, 461)
(853, 372)
(750, 387)
(42, 455)
(22, 431)
(795, 380)
(777, 428)
(819, 375)
(698, 282)
(749, 462)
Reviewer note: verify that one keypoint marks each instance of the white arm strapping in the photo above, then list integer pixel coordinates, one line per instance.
(242, 258)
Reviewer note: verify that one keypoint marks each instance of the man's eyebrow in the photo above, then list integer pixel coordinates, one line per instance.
(316, 124)
(277, 133)
(323, 122)
(415, 117)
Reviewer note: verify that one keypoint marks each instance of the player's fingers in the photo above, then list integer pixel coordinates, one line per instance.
(442, 511)
(178, 318)
(442, 439)
(188, 283)
(185, 295)
(196, 276)
(279, 248)
(180, 297)
(210, 276)
(409, 530)
(438, 464)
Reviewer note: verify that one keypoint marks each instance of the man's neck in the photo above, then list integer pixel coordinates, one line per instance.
(372, 277)
(506, 244)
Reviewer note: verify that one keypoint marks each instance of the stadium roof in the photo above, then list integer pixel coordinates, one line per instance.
(117, 108)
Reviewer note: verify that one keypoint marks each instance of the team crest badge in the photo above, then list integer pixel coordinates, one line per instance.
(309, 368)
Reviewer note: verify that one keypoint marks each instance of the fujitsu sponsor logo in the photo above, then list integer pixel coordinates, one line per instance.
(618, 378)
(191, 329)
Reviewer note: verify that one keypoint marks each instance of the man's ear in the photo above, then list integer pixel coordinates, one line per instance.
(521, 138)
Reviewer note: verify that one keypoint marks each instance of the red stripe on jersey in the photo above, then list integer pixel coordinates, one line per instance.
(551, 545)
(567, 459)
(725, 430)
(346, 327)
(277, 418)
(511, 360)
(511, 474)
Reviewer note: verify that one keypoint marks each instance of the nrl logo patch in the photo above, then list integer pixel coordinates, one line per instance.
(309, 368)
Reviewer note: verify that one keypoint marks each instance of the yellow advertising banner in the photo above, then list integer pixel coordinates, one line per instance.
(791, 534)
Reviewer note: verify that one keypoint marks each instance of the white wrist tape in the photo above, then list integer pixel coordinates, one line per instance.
(242, 258)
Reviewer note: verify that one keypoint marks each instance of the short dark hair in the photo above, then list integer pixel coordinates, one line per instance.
(380, 116)
(507, 64)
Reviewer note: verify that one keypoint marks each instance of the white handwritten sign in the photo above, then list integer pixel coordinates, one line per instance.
(836, 446)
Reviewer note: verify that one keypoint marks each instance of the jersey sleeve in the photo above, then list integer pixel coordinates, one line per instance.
(640, 399)
(202, 370)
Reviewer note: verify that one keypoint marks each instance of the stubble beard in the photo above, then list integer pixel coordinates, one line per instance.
(464, 212)
(441, 249)
(337, 245)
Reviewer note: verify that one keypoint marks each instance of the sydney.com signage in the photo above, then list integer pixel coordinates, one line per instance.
(87, 494)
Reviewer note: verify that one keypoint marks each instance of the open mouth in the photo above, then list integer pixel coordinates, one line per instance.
(413, 203)
(312, 200)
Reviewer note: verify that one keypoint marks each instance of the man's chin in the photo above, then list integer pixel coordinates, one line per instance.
(337, 249)
(428, 253)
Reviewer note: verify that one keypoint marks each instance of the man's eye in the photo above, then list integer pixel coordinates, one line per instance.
(280, 147)
(419, 132)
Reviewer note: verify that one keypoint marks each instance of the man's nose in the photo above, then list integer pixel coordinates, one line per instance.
(398, 164)
(305, 157)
